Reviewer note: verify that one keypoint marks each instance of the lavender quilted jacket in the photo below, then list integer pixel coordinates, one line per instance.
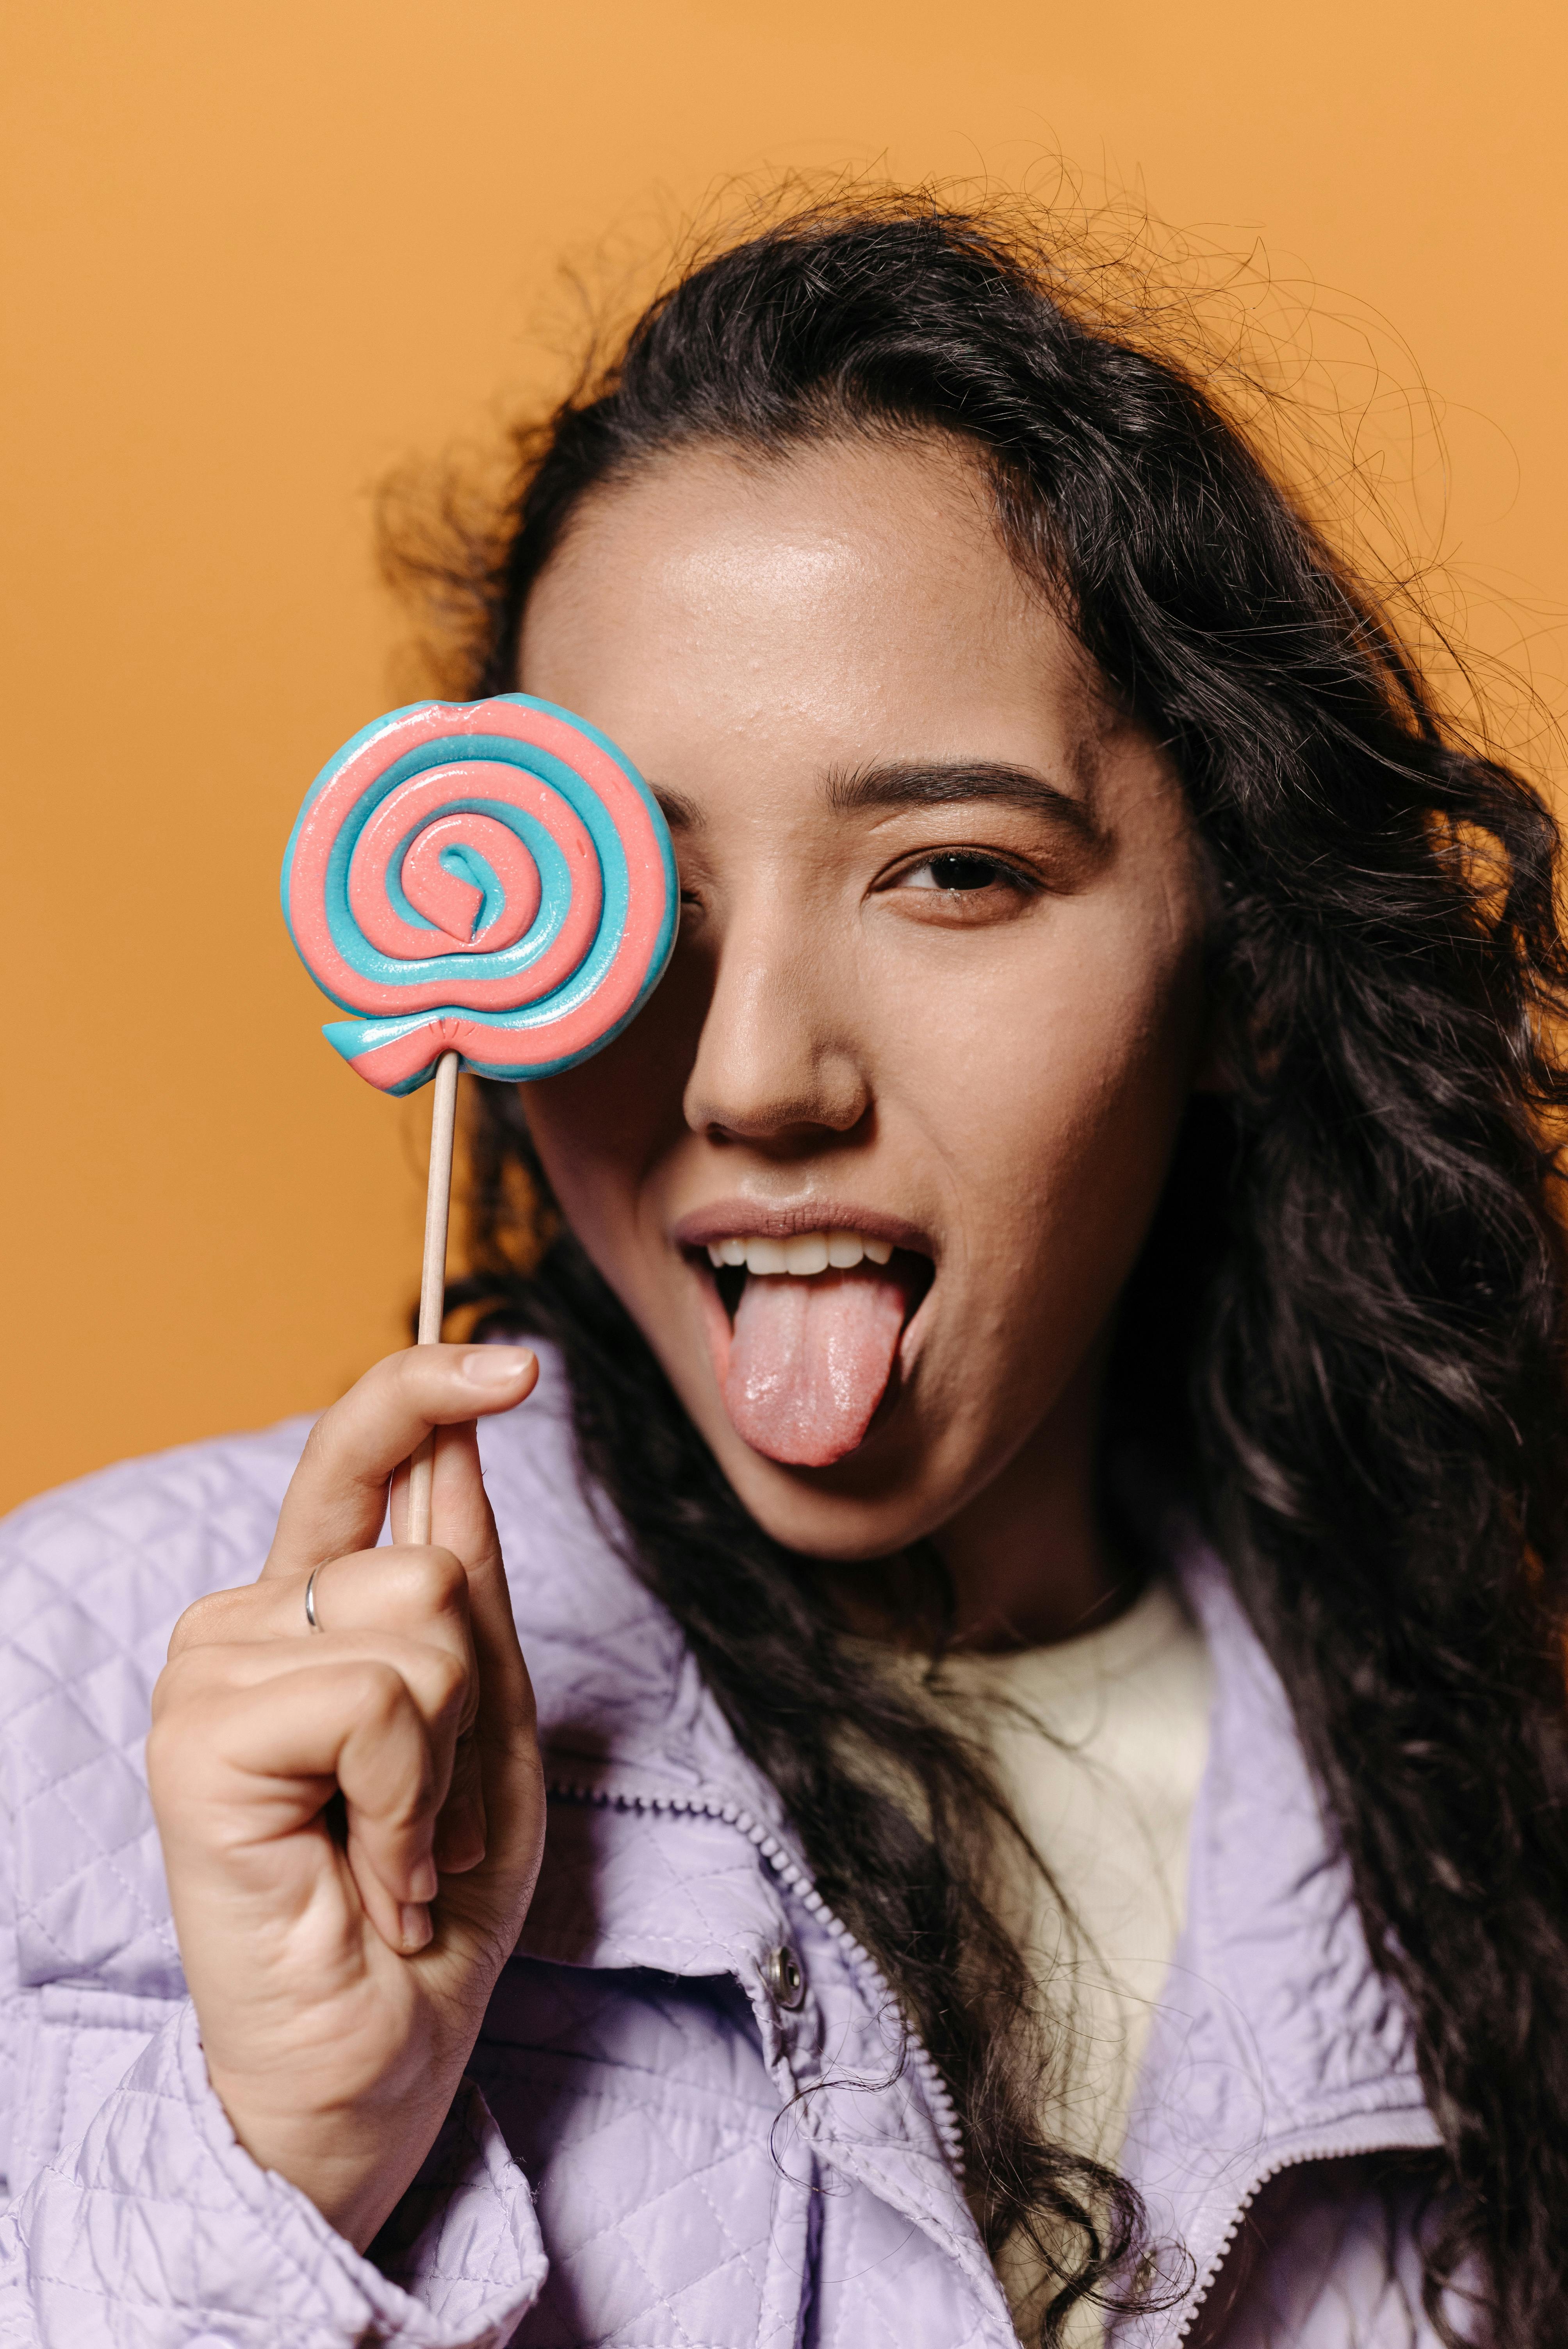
(686, 2125)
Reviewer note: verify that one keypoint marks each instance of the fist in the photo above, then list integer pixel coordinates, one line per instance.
(352, 1816)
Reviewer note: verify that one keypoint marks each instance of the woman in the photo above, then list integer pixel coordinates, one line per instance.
(1040, 1544)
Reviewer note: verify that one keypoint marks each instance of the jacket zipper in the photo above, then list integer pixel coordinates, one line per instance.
(1211, 2275)
(1326, 2148)
(794, 1877)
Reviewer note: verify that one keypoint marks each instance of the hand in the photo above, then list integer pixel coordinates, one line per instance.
(352, 1819)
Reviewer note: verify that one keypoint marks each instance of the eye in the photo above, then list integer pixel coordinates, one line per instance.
(961, 870)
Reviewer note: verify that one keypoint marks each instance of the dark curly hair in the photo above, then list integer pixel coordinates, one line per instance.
(1345, 1334)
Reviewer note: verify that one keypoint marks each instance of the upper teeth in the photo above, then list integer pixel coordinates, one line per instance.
(807, 1252)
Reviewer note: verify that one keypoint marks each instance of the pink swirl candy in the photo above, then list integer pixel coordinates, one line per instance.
(490, 877)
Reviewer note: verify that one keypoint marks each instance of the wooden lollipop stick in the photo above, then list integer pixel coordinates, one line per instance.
(433, 1280)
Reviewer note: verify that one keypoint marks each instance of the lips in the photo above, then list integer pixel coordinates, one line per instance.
(820, 1304)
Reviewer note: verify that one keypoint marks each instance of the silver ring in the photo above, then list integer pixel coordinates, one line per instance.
(310, 1615)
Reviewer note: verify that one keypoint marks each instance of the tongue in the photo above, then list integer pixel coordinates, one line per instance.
(811, 1359)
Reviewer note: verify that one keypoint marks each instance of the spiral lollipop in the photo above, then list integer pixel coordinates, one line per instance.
(489, 878)
(484, 885)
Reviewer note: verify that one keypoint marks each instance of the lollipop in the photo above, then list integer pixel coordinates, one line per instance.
(484, 885)
(491, 878)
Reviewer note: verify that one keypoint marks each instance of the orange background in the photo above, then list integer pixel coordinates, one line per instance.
(256, 255)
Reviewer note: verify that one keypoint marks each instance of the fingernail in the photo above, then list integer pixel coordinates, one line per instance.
(422, 1883)
(495, 1366)
(416, 1926)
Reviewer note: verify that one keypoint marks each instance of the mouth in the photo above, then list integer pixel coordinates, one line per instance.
(806, 1314)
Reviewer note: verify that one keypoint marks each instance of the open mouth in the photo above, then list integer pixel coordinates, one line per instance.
(805, 1333)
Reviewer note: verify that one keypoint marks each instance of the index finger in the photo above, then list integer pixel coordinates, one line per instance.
(336, 1499)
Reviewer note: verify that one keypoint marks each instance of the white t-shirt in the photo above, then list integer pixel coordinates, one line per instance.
(1098, 1743)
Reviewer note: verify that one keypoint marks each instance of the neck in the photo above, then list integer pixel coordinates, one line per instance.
(1030, 1559)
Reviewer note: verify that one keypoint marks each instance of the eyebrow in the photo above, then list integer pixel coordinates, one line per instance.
(893, 784)
(679, 813)
(927, 782)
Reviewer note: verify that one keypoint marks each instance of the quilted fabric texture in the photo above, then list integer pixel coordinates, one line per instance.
(651, 2151)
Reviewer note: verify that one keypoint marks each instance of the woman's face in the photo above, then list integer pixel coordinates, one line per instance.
(916, 1070)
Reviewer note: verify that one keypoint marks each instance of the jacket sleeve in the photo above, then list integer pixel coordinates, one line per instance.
(135, 2220)
(156, 2231)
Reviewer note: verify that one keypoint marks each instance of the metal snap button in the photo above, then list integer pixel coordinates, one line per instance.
(786, 1982)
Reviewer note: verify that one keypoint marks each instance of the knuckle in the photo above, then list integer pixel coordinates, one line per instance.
(173, 1742)
(404, 1369)
(371, 1386)
(205, 1621)
(184, 1677)
(160, 1738)
(416, 1586)
(451, 1681)
(375, 1692)
(317, 1441)
(441, 1582)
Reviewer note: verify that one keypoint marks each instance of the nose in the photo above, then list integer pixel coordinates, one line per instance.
(778, 1062)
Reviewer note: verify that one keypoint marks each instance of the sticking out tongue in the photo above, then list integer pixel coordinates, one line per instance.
(811, 1359)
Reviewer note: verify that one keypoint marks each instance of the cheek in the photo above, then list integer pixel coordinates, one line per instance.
(594, 1137)
(599, 1130)
(1056, 1123)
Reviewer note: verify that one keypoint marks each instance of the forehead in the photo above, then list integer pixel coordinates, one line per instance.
(849, 589)
(710, 514)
